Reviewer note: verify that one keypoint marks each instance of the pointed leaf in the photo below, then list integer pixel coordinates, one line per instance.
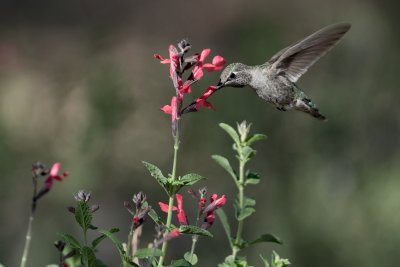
(265, 238)
(115, 240)
(246, 212)
(194, 230)
(83, 215)
(252, 178)
(224, 163)
(192, 259)
(88, 257)
(233, 134)
(154, 216)
(255, 138)
(191, 178)
(181, 263)
(157, 174)
(248, 152)
(249, 202)
(70, 240)
(102, 237)
(148, 252)
(225, 224)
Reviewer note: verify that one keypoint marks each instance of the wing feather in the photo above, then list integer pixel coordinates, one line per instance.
(295, 60)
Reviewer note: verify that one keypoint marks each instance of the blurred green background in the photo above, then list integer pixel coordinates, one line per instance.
(79, 85)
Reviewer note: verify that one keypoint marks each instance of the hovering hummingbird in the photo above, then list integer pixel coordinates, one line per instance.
(274, 81)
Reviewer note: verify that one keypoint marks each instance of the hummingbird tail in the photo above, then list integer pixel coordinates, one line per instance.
(309, 107)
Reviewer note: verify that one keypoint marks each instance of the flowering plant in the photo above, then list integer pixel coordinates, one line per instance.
(82, 252)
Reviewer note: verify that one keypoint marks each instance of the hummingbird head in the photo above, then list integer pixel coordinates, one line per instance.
(235, 75)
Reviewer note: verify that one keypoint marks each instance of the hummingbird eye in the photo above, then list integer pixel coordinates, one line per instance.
(232, 75)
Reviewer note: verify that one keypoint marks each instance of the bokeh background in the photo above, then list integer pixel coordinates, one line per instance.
(79, 85)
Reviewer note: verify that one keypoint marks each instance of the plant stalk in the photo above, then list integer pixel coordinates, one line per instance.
(28, 236)
(238, 238)
(171, 198)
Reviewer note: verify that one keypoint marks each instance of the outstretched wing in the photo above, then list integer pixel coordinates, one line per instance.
(295, 60)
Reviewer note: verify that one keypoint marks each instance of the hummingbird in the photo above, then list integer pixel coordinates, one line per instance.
(275, 80)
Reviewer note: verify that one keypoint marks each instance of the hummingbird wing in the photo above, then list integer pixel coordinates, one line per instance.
(293, 61)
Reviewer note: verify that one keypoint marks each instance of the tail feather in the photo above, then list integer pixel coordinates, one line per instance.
(309, 107)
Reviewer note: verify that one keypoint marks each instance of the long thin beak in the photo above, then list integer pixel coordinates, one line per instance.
(220, 84)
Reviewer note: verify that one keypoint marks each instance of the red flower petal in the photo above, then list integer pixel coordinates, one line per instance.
(162, 60)
(220, 201)
(55, 169)
(181, 213)
(203, 103)
(218, 61)
(211, 67)
(174, 233)
(49, 182)
(166, 109)
(174, 105)
(185, 89)
(164, 207)
(197, 72)
(204, 54)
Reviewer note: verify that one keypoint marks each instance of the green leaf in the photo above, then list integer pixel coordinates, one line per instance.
(83, 215)
(50, 265)
(157, 174)
(99, 263)
(181, 263)
(233, 134)
(194, 230)
(192, 259)
(249, 202)
(265, 261)
(247, 153)
(225, 224)
(244, 213)
(267, 238)
(277, 261)
(154, 216)
(148, 252)
(102, 237)
(224, 163)
(70, 240)
(191, 178)
(255, 138)
(252, 178)
(88, 257)
(115, 240)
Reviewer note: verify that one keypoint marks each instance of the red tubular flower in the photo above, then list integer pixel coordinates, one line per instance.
(217, 64)
(215, 204)
(181, 216)
(174, 233)
(181, 213)
(53, 175)
(202, 100)
(164, 207)
(171, 109)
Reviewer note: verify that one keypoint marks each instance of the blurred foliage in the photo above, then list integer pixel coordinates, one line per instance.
(78, 85)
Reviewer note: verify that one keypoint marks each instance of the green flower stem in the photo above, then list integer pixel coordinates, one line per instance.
(28, 236)
(240, 185)
(171, 198)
